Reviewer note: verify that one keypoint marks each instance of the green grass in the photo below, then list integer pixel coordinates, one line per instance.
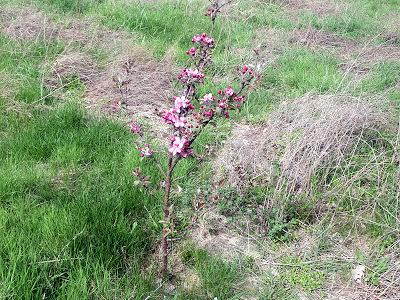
(383, 76)
(71, 215)
(171, 25)
(72, 226)
(299, 71)
(218, 278)
(20, 65)
(303, 275)
(72, 6)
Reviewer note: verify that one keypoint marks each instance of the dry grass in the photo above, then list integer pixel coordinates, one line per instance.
(309, 135)
(26, 24)
(74, 63)
(148, 89)
(150, 81)
(358, 58)
(318, 7)
(317, 39)
(213, 233)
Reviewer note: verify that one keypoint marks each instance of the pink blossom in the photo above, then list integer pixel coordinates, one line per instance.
(134, 127)
(197, 38)
(208, 113)
(209, 42)
(171, 117)
(179, 122)
(179, 146)
(203, 40)
(229, 91)
(146, 151)
(247, 71)
(223, 104)
(191, 52)
(190, 76)
(182, 102)
(239, 98)
(208, 98)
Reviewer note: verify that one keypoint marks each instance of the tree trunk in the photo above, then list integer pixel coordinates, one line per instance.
(164, 242)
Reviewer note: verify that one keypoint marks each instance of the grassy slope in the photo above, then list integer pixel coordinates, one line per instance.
(72, 225)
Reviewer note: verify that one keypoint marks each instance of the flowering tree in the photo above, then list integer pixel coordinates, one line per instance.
(191, 113)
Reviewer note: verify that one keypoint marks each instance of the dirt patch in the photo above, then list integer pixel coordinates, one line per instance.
(301, 137)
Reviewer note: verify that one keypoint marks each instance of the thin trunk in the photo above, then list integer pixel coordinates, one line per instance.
(164, 242)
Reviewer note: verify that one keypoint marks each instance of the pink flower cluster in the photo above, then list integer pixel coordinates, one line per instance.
(192, 52)
(134, 127)
(203, 40)
(208, 99)
(189, 76)
(246, 75)
(181, 103)
(180, 146)
(172, 117)
(146, 151)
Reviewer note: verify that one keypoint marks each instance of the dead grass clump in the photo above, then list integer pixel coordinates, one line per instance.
(318, 7)
(358, 59)
(270, 43)
(313, 39)
(349, 50)
(214, 235)
(309, 135)
(91, 34)
(149, 83)
(72, 64)
(380, 53)
(26, 24)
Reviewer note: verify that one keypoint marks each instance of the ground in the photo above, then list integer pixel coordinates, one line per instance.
(295, 197)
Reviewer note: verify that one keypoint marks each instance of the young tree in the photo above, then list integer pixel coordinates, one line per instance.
(191, 113)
